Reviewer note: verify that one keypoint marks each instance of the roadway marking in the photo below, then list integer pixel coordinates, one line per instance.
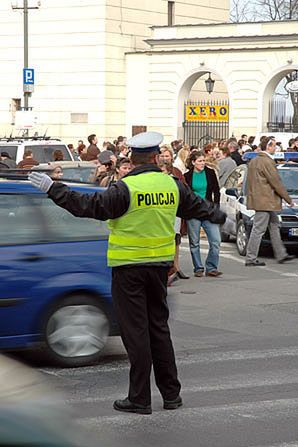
(199, 358)
(278, 409)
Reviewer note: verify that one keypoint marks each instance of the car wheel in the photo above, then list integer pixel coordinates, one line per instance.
(225, 237)
(76, 330)
(241, 238)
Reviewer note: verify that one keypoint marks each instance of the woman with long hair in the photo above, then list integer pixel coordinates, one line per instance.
(203, 181)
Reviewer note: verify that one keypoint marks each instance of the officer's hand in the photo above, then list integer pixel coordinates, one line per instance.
(41, 181)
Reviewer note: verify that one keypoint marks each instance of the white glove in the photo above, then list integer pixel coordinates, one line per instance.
(41, 181)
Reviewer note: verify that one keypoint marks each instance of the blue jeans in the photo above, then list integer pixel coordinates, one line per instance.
(214, 239)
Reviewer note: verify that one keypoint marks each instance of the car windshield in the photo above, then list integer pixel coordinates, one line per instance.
(289, 178)
(44, 153)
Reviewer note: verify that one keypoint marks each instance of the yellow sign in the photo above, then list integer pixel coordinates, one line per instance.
(207, 113)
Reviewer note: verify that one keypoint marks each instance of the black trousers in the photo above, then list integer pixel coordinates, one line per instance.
(139, 297)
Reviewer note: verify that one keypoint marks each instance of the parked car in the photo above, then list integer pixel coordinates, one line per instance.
(74, 171)
(55, 283)
(240, 220)
(42, 148)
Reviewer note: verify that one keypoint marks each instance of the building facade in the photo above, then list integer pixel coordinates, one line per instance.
(247, 61)
(78, 51)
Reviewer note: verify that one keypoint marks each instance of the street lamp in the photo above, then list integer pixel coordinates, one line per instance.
(209, 84)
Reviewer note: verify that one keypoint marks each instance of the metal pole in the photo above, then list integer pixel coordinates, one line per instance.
(25, 6)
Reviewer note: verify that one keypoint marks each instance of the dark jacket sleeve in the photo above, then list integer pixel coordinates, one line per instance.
(192, 206)
(108, 204)
(213, 193)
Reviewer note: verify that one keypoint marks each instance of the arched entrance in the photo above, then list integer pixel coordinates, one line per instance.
(203, 105)
(280, 106)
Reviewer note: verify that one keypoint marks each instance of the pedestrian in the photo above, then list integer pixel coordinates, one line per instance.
(181, 158)
(225, 165)
(265, 192)
(123, 167)
(7, 160)
(141, 207)
(203, 181)
(234, 150)
(92, 150)
(28, 161)
(105, 167)
(81, 147)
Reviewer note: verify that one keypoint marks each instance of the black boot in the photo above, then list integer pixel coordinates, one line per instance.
(129, 407)
(172, 404)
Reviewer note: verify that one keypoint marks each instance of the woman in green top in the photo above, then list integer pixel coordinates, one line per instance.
(203, 181)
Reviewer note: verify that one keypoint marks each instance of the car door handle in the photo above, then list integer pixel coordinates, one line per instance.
(34, 257)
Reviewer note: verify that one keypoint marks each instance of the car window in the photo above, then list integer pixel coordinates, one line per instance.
(44, 153)
(236, 178)
(79, 174)
(289, 178)
(63, 226)
(11, 150)
(20, 222)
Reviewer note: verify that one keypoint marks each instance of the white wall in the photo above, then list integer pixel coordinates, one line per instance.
(245, 66)
(77, 48)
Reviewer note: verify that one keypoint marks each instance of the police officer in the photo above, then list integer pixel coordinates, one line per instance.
(141, 207)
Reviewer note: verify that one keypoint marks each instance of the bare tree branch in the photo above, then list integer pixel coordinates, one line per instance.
(257, 10)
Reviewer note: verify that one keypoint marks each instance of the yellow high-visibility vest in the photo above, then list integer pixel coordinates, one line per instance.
(145, 233)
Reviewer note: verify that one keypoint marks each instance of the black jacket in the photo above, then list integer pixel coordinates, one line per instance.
(237, 158)
(212, 193)
(114, 201)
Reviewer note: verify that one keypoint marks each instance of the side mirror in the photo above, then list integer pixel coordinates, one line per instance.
(232, 192)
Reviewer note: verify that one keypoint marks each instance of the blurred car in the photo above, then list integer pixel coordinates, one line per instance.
(32, 413)
(55, 283)
(74, 171)
(240, 220)
(42, 148)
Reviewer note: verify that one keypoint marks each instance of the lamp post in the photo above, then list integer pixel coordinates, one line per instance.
(28, 88)
(209, 84)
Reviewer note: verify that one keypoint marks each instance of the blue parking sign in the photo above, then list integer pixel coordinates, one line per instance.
(28, 76)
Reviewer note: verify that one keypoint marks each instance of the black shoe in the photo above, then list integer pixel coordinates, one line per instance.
(129, 407)
(182, 275)
(286, 259)
(255, 263)
(172, 404)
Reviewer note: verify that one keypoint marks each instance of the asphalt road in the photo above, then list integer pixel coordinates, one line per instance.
(236, 341)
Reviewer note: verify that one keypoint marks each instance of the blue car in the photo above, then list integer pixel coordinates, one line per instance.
(55, 283)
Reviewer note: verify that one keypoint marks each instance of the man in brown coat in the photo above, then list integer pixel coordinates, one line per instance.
(265, 192)
(92, 150)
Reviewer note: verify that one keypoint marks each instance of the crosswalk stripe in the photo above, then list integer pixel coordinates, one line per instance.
(208, 415)
(198, 358)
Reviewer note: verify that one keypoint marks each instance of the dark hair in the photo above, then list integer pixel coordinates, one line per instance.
(122, 161)
(291, 141)
(91, 137)
(111, 147)
(251, 140)
(263, 142)
(192, 157)
(241, 142)
(243, 135)
(138, 158)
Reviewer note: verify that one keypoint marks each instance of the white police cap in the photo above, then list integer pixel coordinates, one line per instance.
(145, 142)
